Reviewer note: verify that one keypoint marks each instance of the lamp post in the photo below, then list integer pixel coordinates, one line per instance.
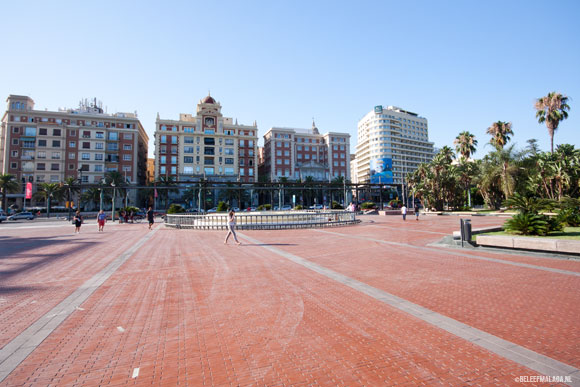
(113, 201)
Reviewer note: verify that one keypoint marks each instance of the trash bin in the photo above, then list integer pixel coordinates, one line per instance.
(467, 230)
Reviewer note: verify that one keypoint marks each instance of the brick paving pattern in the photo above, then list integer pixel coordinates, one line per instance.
(187, 310)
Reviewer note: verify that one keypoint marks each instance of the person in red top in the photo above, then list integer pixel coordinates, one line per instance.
(101, 219)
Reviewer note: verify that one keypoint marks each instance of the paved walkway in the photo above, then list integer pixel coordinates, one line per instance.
(373, 304)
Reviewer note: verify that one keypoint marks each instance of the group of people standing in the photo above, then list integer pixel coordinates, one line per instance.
(102, 219)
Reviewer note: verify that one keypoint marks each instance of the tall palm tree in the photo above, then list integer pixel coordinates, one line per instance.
(465, 144)
(169, 183)
(70, 184)
(500, 133)
(552, 109)
(8, 184)
(48, 192)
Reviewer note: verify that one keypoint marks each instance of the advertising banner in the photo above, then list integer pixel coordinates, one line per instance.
(382, 171)
(28, 190)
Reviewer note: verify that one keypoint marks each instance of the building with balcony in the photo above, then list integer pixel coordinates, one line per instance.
(49, 146)
(391, 142)
(296, 154)
(206, 146)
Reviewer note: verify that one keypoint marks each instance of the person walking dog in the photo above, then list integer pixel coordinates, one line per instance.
(231, 227)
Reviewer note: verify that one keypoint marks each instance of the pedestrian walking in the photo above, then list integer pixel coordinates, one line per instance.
(231, 227)
(101, 220)
(404, 212)
(416, 212)
(78, 220)
(150, 217)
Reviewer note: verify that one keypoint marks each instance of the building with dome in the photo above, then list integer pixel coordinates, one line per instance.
(206, 145)
(296, 154)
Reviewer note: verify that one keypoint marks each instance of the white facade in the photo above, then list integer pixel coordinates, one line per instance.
(392, 133)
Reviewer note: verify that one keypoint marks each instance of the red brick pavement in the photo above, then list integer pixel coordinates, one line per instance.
(196, 312)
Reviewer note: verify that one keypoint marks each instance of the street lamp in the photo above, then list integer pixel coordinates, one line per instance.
(113, 201)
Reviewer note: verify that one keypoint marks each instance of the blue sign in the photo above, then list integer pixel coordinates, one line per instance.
(382, 171)
(379, 109)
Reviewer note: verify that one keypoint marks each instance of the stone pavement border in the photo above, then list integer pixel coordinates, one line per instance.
(471, 256)
(26, 342)
(521, 355)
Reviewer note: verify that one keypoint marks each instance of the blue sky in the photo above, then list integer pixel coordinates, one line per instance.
(461, 64)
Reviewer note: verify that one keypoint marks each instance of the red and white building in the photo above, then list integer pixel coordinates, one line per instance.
(298, 153)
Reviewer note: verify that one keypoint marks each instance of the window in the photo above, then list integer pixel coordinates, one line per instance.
(41, 166)
(98, 168)
(164, 139)
(208, 160)
(209, 141)
(286, 153)
(99, 156)
(163, 149)
(229, 171)
(188, 170)
(16, 129)
(242, 172)
(85, 156)
(188, 160)
(163, 160)
(299, 147)
(208, 171)
(287, 162)
(278, 153)
(242, 153)
(279, 161)
(188, 140)
(15, 142)
(54, 167)
(113, 136)
(229, 151)
(56, 155)
(251, 143)
(72, 156)
(100, 135)
(56, 132)
(173, 159)
(127, 147)
(86, 145)
(128, 136)
(14, 153)
(242, 143)
(174, 139)
(250, 171)
(209, 131)
(241, 161)
(72, 144)
(229, 141)
(129, 157)
(187, 149)
(86, 134)
(30, 131)
(99, 145)
(229, 160)
(113, 147)
(162, 170)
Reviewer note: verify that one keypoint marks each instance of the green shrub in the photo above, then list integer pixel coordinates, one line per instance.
(175, 209)
(527, 224)
(336, 206)
(260, 207)
(395, 203)
(569, 217)
(299, 207)
(368, 205)
(267, 207)
(529, 205)
(222, 207)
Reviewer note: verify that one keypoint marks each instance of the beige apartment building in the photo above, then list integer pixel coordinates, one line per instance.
(84, 143)
(206, 145)
(298, 153)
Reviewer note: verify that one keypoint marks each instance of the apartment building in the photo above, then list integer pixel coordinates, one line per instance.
(298, 153)
(391, 142)
(206, 145)
(48, 146)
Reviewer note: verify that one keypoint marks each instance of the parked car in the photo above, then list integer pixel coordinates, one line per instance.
(211, 210)
(22, 215)
(317, 207)
(251, 209)
(3, 216)
(286, 208)
(236, 209)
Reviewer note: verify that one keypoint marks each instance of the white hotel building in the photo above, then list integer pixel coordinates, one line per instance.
(391, 143)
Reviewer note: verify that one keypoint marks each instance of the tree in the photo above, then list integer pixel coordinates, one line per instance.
(169, 184)
(465, 144)
(8, 184)
(500, 133)
(552, 109)
(48, 192)
(71, 187)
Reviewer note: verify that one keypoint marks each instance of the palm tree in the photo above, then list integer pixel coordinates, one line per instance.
(465, 144)
(8, 184)
(71, 186)
(500, 133)
(49, 191)
(552, 109)
(169, 183)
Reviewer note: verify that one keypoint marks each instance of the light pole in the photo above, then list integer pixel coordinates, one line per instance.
(113, 201)
(80, 189)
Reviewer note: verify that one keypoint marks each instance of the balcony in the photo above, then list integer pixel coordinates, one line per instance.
(27, 158)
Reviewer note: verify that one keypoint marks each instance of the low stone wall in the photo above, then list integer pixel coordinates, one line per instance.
(529, 243)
